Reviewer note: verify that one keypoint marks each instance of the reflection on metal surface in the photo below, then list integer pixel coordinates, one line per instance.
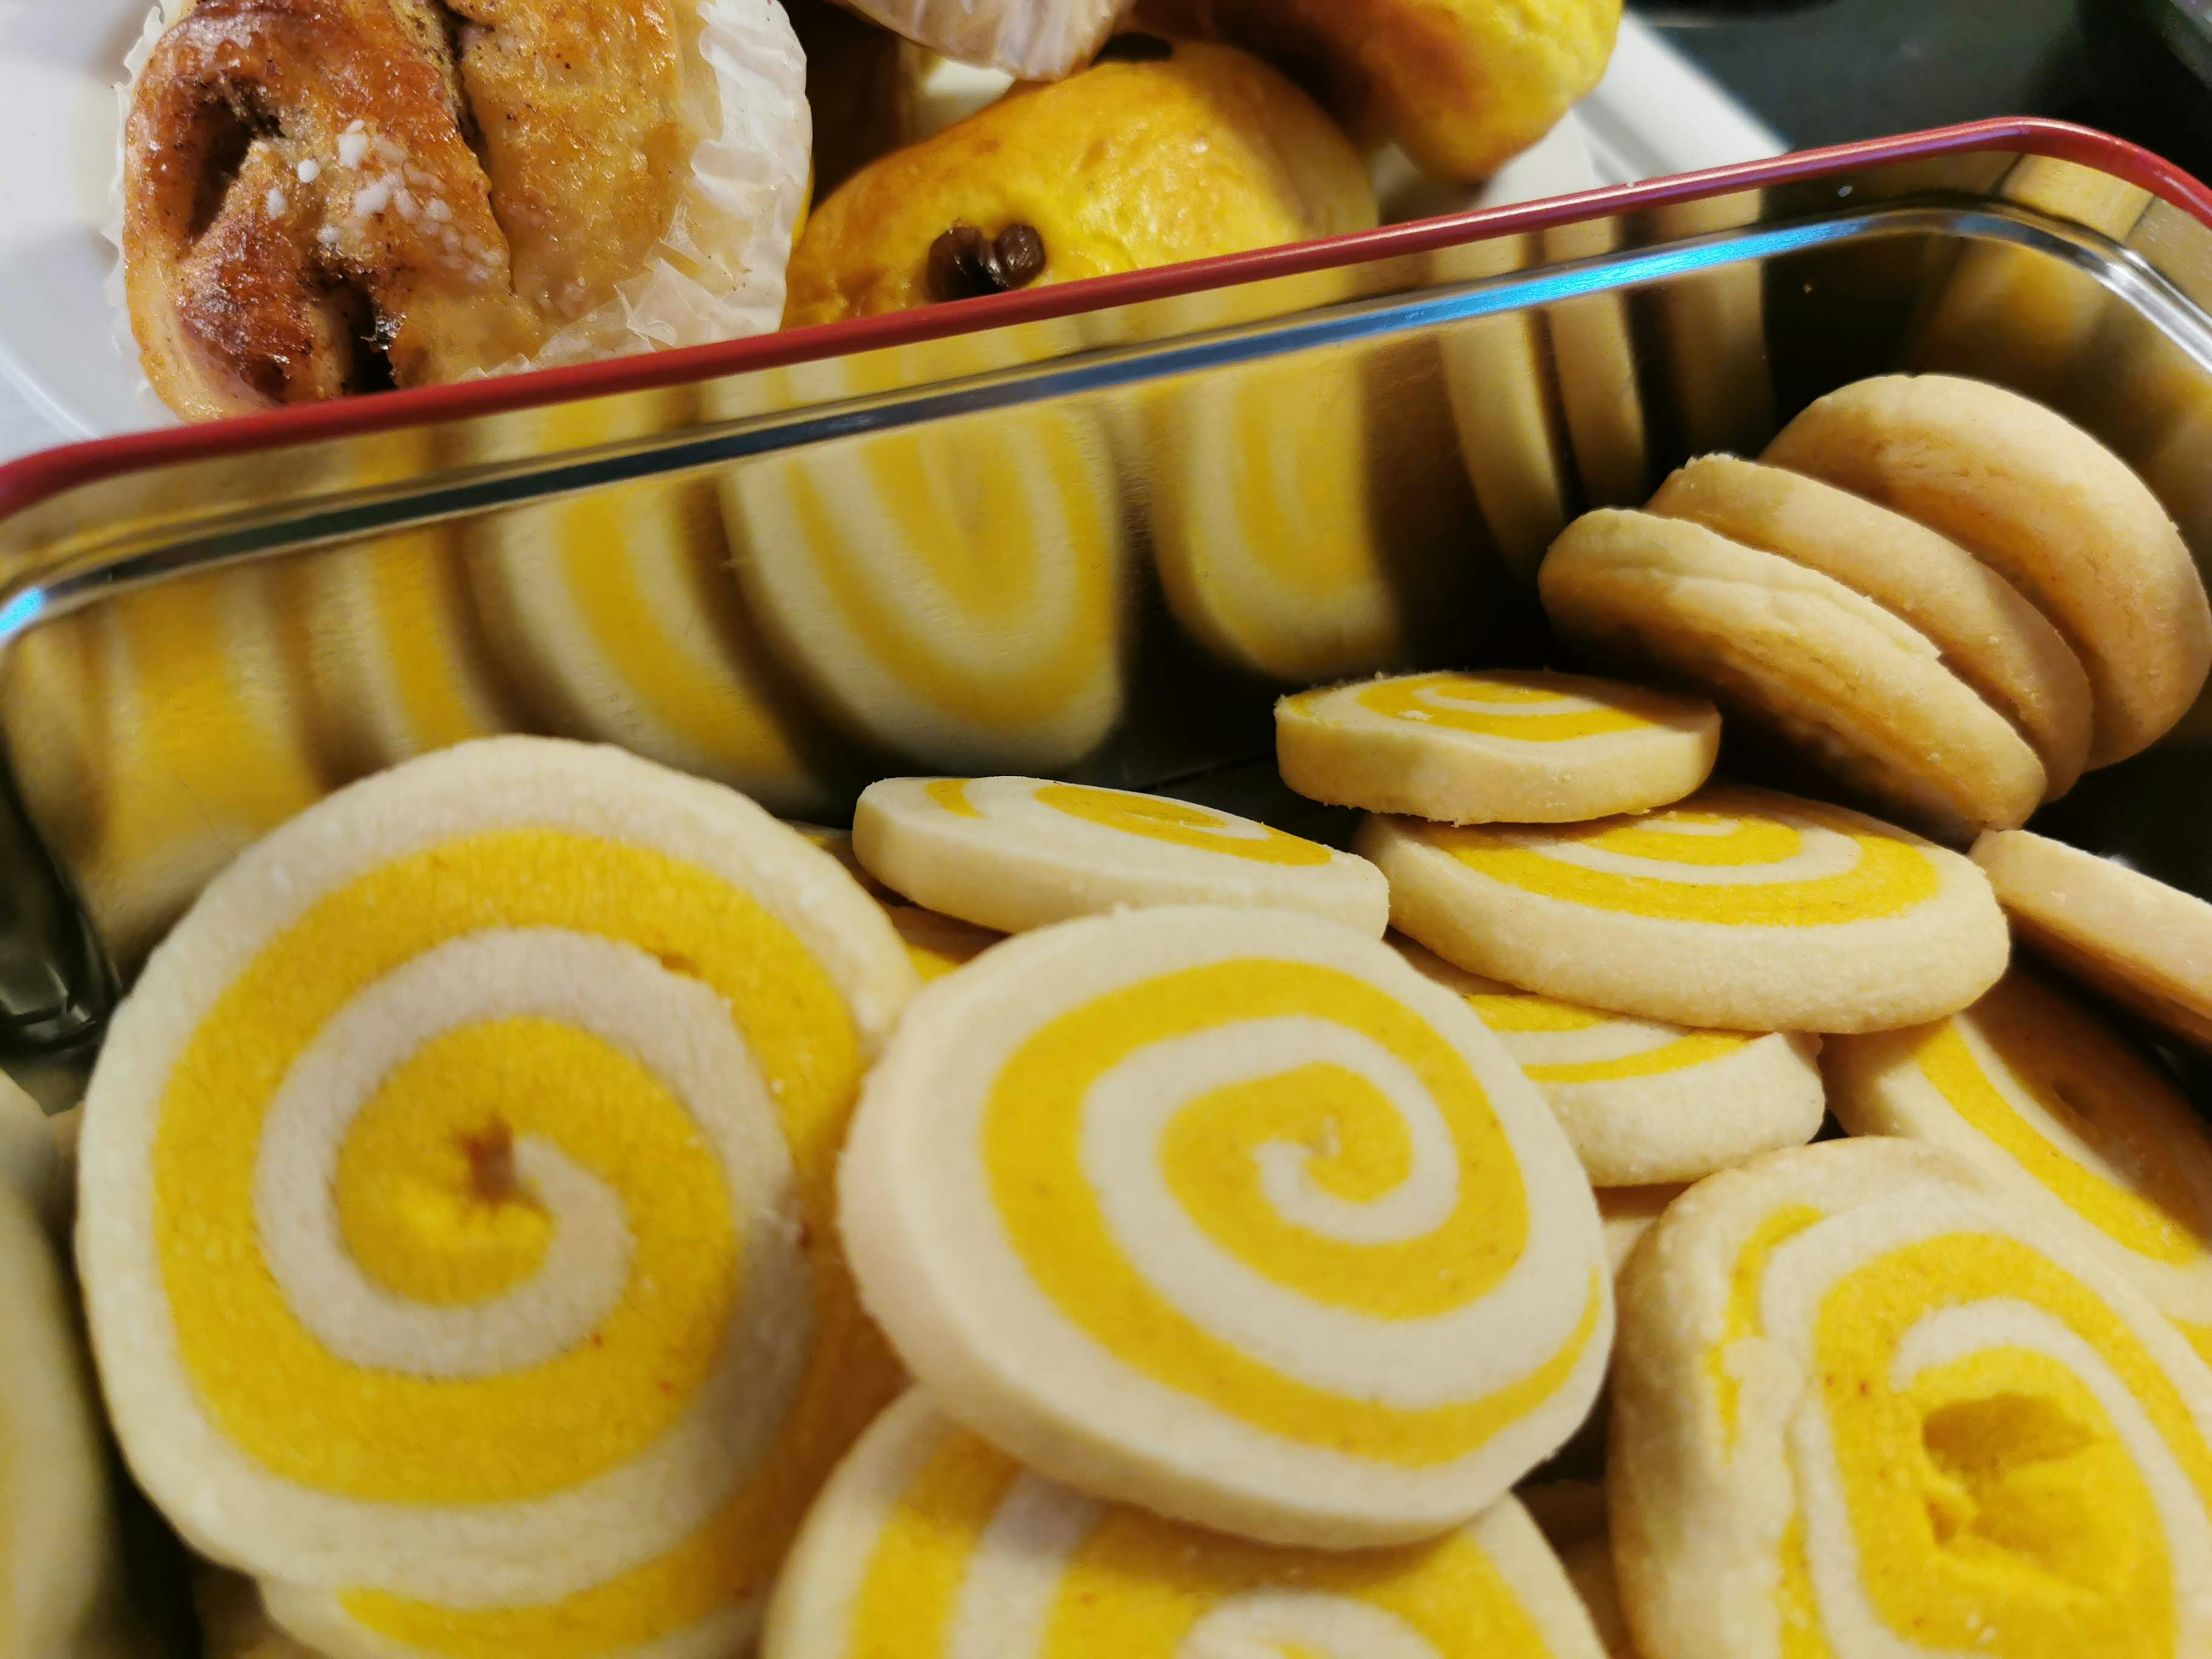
(1096, 545)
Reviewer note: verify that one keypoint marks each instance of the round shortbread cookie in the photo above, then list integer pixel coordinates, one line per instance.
(57, 1539)
(617, 612)
(1739, 910)
(937, 944)
(234, 1622)
(1590, 1570)
(1792, 650)
(32, 1165)
(1863, 1405)
(493, 1106)
(1500, 747)
(1990, 636)
(2051, 509)
(1498, 369)
(2052, 1102)
(1012, 854)
(1642, 1101)
(1594, 356)
(2133, 938)
(930, 1543)
(954, 594)
(1232, 1214)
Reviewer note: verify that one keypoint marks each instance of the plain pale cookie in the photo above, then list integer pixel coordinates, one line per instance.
(1012, 854)
(2051, 509)
(57, 1541)
(2054, 1104)
(1989, 635)
(493, 1106)
(930, 1543)
(1232, 1214)
(2132, 936)
(1863, 1405)
(1644, 1102)
(1739, 910)
(1792, 650)
(1517, 748)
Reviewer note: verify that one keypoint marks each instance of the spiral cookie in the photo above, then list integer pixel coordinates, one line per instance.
(930, 1543)
(1645, 1103)
(55, 1527)
(1017, 853)
(1990, 636)
(1794, 651)
(492, 1107)
(1739, 910)
(1233, 1214)
(2048, 1100)
(2133, 938)
(2049, 509)
(1517, 748)
(617, 612)
(1628, 1213)
(1861, 1406)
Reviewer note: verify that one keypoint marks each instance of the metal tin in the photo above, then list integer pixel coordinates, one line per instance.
(1089, 530)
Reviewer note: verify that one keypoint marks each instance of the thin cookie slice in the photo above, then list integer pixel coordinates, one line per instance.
(930, 1543)
(2053, 1104)
(1798, 653)
(2049, 509)
(1012, 854)
(2131, 936)
(1643, 1102)
(1516, 747)
(1864, 1405)
(1990, 636)
(1232, 1214)
(494, 1106)
(1739, 910)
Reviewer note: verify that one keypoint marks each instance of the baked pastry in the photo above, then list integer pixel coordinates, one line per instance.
(529, 1373)
(1989, 635)
(1232, 1214)
(1712, 331)
(957, 595)
(1024, 1568)
(617, 614)
(323, 197)
(1790, 650)
(2133, 938)
(2056, 1106)
(1863, 1405)
(1462, 86)
(1645, 1103)
(1029, 39)
(2049, 509)
(1629, 1212)
(1180, 151)
(1506, 747)
(1019, 853)
(1594, 355)
(1739, 910)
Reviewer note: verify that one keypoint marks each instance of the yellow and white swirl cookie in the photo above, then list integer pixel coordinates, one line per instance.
(1500, 747)
(1232, 1214)
(1644, 1102)
(955, 595)
(1012, 854)
(1788, 649)
(2133, 938)
(1738, 910)
(456, 1205)
(2044, 1097)
(2048, 507)
(617, 612)
(1864, 1405)
(930, 1543)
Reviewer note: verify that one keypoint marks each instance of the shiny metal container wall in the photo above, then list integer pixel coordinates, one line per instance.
(1092, 534)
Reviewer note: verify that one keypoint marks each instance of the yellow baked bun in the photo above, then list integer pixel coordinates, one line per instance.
(1464, 86)
(1142, 160)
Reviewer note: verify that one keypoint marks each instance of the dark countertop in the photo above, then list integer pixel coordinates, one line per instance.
(1833, 70)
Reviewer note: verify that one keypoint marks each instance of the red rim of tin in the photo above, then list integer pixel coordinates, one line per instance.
(47, 472)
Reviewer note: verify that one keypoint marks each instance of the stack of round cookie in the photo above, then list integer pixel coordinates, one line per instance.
(1943, 596)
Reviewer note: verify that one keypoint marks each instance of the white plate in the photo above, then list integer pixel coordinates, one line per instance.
(59, 59)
